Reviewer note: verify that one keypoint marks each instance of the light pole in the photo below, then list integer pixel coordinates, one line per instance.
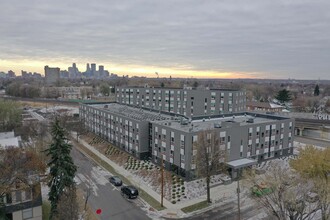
(162, 182)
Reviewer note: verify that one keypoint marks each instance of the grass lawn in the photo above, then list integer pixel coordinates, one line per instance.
(145, 196)
(195, 207)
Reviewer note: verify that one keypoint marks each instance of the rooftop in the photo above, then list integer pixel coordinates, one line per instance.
(175, 88)
(219, 121)
(140, 114)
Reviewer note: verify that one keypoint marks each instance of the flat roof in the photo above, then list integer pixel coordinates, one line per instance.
(236, 164)
(140, 114)
(223, 121)
(9, 142)
(9, 134)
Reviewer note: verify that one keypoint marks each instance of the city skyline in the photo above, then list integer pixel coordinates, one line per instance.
(259, 39)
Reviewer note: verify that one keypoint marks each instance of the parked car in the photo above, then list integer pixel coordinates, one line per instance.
(115, 180)
(129, 191)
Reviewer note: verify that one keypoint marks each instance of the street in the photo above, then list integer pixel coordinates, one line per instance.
(228, 211)
(104, 195)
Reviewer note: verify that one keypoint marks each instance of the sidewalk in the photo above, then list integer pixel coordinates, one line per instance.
(219, 194)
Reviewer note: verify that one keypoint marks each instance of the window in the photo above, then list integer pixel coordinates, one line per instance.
(27, 213)
(228, 138)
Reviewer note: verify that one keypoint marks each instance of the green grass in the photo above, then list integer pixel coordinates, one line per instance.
(195, 207)
(145, 196)
(45, 210)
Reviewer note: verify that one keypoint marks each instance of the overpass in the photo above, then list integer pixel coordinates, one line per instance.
(313, 128)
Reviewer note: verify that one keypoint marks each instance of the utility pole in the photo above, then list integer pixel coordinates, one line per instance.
(162, 179)
(238, 195)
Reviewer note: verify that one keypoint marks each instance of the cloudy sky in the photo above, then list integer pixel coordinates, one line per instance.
(195, 38)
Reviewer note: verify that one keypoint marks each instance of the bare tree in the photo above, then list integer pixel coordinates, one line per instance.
(283, 193)
(209, 156)
(68, 207)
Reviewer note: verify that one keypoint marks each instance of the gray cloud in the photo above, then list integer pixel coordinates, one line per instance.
(277, 39)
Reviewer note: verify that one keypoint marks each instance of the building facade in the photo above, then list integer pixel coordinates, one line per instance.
(187, 102)
(23, 204)
(124, 126)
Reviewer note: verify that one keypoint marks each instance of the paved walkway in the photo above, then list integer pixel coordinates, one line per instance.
(219, 195)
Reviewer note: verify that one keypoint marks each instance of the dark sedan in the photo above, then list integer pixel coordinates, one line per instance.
(115, 180)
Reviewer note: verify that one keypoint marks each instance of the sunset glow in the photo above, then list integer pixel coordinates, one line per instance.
(131, 70)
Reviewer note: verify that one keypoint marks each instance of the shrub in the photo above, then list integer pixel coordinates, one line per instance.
(173, 202)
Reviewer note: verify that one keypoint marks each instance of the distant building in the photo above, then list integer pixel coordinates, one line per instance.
(74, 92)
(263, 106)
(52, 75)
(101, 71)
(11, 74)
(64, 74)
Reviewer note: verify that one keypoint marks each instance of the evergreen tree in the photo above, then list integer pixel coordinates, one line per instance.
(62, 168)
(317, 90)
(283, 96)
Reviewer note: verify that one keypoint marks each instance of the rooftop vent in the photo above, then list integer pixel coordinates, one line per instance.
(217, 125)
(250, 120)
(106, 106)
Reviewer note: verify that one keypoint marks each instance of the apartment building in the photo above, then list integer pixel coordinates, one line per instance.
(149, 133)
(241, 135)
(188, 102)
(124, 126)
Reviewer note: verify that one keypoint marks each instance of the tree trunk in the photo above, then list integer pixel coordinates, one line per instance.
(208, 189)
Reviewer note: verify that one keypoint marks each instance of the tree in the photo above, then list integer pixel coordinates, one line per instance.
(11, 114)
(62, 168)
(283, 96)
(209, 157)
(281, 192)
(317, 90)
(105, 89)
(314, 164)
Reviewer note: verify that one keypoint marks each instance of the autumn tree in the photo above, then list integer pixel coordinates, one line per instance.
(209, 156)
(282, 193)
(62, 168)
(68, 207)
(314, 164)
(105, 89)
(17, 165)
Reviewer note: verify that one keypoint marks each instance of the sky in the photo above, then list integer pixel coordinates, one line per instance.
(178, 38)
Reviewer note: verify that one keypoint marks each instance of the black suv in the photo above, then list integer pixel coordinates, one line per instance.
(129, 191)
(115, 180)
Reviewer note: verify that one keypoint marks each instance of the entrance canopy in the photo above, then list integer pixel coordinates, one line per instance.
(245, 162)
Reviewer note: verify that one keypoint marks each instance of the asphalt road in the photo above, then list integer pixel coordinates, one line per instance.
(104, 195)
(228, 211)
